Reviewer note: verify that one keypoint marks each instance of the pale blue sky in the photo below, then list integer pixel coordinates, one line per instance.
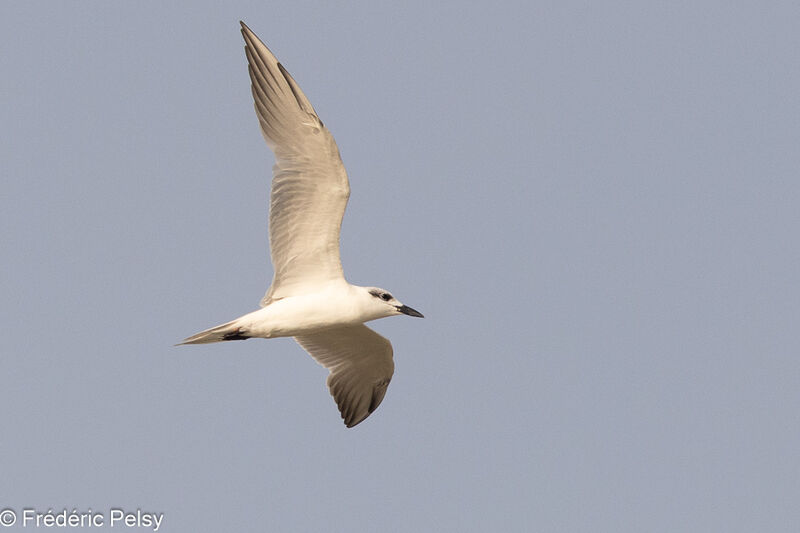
(595, 205)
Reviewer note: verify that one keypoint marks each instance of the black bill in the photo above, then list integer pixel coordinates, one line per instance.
(406, 310)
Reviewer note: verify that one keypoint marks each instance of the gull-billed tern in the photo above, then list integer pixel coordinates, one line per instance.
(309, 298)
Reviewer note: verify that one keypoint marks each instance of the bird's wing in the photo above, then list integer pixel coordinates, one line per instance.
(309, 184)
(360, 364)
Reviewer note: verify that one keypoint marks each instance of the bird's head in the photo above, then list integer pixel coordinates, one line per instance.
(381, 303)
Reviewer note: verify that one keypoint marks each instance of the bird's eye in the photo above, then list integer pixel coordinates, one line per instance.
(386, 296)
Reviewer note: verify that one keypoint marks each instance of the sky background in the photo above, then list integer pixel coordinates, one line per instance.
(595, 205)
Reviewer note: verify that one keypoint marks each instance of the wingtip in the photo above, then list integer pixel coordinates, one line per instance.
(250, 38)
(352, 421)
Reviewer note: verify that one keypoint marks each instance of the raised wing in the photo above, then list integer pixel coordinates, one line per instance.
(361, 366)
(309, 184)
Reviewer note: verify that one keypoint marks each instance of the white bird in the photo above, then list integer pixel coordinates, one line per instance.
(309, 299)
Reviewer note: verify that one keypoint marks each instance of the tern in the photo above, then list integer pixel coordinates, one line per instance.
(309, 298)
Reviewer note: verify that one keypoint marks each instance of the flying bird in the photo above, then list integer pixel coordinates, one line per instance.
(309, 299)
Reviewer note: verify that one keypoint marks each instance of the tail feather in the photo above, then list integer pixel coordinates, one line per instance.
(224, 332)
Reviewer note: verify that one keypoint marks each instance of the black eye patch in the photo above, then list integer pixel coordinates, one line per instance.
(386, 296)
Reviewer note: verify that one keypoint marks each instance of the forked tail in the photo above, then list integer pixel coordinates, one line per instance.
(224, 332)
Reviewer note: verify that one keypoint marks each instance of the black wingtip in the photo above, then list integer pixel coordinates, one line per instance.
(235, 335)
